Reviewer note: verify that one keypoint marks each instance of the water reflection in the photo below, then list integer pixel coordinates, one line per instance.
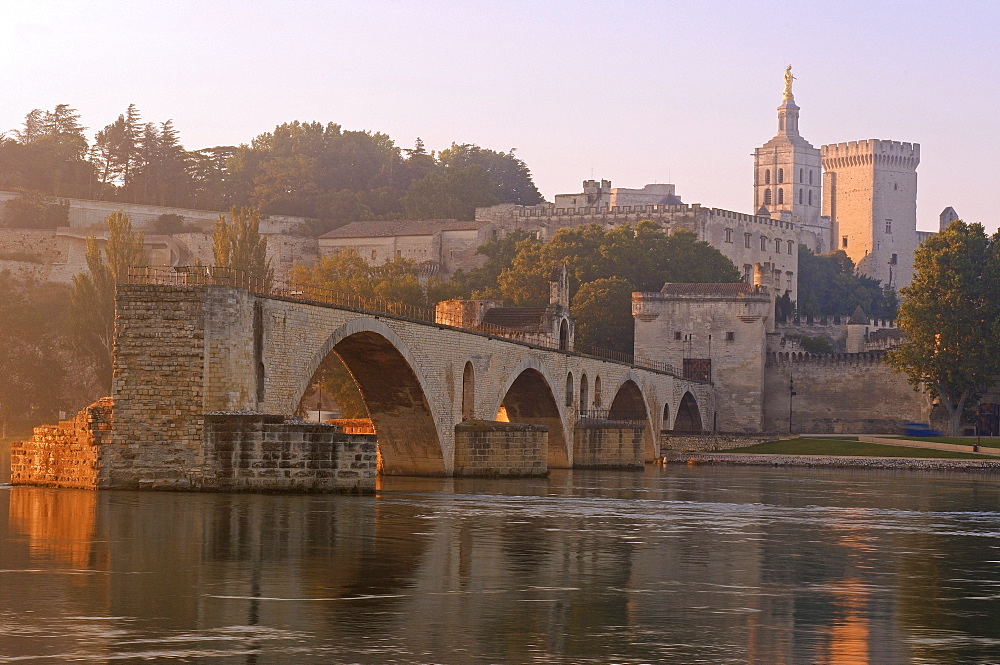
(675, 565)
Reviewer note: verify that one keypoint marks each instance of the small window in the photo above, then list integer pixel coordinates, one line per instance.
(677, 335)
(730, 336)
(810, 197)
(894, 259)
(767, 176)
(399, 253)
(781, 196)
(763, 244)
(888, 226)
(788, 281)
(747, 273)
(801, 179)
(843, 242)
(777, 245)
(791, 247)
(373, 255)
(800, 196)
(767, 196)
(746, 240)
(781, 177)
(810, 176)
(729, 235)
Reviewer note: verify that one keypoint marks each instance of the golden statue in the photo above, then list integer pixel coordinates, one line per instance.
(788, 82)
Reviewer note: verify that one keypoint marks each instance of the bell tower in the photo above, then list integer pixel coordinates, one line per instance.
(787, 169)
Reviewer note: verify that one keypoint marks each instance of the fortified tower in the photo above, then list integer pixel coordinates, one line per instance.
(870, 195)
(787, 170)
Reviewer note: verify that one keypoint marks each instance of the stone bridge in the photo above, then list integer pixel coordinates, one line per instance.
(193, 358)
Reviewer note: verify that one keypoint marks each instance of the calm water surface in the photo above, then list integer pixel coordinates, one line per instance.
(670, 565)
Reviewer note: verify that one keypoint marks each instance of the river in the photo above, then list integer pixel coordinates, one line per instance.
(676, 564)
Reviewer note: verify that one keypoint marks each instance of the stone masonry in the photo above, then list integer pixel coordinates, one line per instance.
(492, 448)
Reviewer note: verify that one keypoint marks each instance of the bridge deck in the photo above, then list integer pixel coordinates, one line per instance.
(310, 294)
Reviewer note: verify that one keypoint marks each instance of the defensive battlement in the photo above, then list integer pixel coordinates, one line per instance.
(878, 151)
(544, 212)
(777, 358)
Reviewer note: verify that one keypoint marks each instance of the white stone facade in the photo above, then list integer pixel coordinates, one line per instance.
(870, 195)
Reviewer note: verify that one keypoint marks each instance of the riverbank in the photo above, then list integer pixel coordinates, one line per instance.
(865, 462)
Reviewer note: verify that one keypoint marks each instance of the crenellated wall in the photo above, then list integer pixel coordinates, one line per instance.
(844, 393)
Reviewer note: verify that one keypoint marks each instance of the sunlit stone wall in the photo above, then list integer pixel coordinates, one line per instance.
(608, 444)
(490, 448)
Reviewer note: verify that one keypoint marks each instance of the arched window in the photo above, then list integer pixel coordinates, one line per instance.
(781, 176)
(767, 176)
(597, 392)
(801, 179)
(810, 197)
(583, 395)
(800, 196)
(569, 389)
(781, 196)
(763, 244)
(767, 196)
(791, 247)
(810, 176)
(777, 245)
(468, 392)
(564, 336)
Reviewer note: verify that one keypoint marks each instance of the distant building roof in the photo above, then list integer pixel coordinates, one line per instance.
(515, 318)
(858, 317)
(402, 227)
(708, 289)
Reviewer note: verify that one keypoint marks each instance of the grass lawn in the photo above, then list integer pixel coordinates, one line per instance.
(846, 446)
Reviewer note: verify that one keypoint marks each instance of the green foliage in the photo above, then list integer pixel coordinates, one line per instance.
(827, 286)
(642, 255)
(453, 194)
(508, 174)
(238, 244)
(635, 258)
(817, 344)
(347, 272)
(168, 224)
(603, 310)
(34, 210)
(950, 317)
(92, 299)
(32, 372)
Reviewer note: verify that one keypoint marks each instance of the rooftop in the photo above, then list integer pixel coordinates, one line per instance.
(402, 227)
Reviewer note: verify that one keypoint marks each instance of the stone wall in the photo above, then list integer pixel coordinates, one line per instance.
(158, 387)
(491, 448)
(608, 444)
(67, 454)
(267, 453)
(839, 393)
(671, 444)
(86, 213)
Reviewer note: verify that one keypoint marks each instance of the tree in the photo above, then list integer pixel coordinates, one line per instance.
(240, 245)
(510, 176)
(603, 310)
(34, 210)
(950, 318)
(92, 299)
(828, 286)
(453, 194)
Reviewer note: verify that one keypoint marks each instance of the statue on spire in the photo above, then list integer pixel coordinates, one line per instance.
(788, 82)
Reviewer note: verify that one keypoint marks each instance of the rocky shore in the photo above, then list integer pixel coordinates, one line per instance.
(912, 463)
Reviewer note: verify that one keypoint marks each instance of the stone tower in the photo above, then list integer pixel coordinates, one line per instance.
(870, 195)
(787, 177)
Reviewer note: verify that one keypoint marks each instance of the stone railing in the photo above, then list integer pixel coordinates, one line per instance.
(307, 293)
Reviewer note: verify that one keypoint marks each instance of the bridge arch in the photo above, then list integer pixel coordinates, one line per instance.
(528, 397)
(630, 404)
(394, 392)
(688, 416)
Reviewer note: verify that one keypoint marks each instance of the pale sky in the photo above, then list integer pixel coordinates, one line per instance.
(633, 92)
